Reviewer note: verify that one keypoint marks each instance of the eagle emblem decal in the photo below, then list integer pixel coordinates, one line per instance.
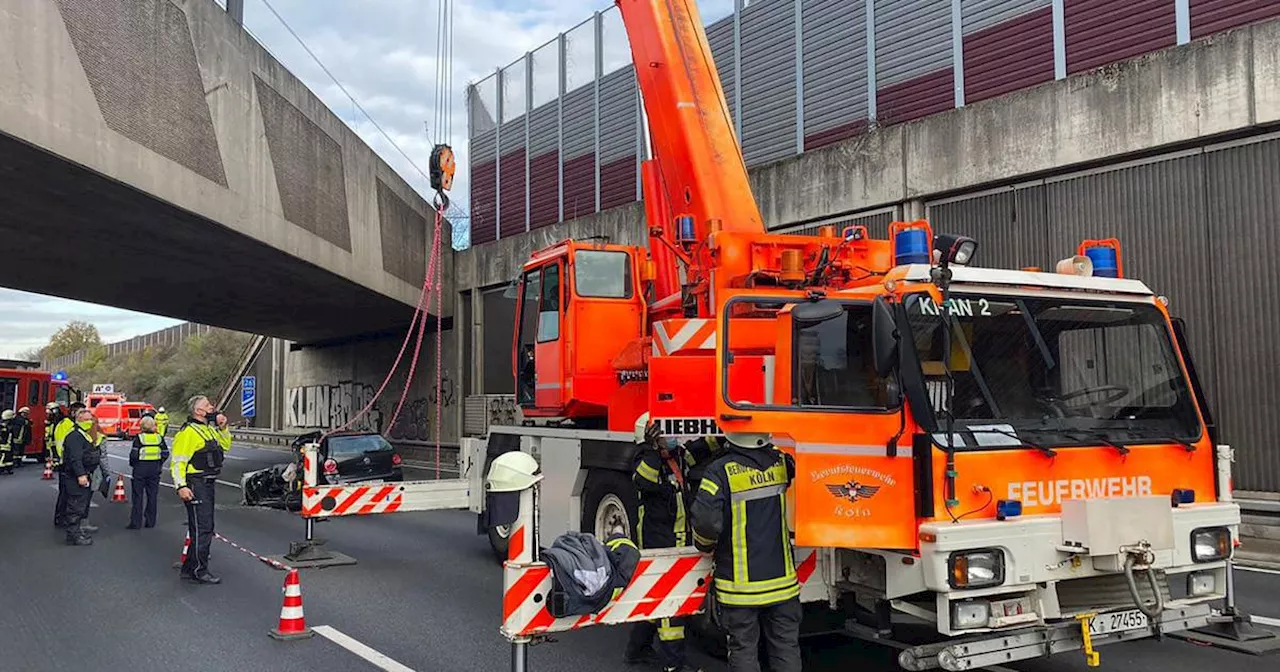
(853, 491)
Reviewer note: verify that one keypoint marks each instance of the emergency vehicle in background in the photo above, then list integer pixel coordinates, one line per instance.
(120, 419)
(34, 389)
(1023, 460)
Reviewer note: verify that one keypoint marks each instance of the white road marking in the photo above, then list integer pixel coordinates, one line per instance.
(380, 660)
(1266, 620)
(234, 457)
(1260, 570)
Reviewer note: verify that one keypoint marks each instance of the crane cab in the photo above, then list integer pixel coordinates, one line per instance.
(579, 304)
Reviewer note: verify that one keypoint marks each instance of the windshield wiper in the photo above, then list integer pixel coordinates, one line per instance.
(1022, 443)
(1099, 437)
(1186, 445)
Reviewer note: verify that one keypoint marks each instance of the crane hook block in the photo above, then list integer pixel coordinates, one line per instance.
(442, 168)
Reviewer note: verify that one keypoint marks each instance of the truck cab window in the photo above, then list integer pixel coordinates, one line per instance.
(549, 305)
(833, 363)
(531, 287)
(602, 274)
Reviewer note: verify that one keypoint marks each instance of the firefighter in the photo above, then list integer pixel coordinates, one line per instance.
(146, 458)
(20, 435)
(162, 421)
(81, 457)
(198, 451)
(66, 425)
(740, 515)
(6, 442)
(52, 413)
(661, 482)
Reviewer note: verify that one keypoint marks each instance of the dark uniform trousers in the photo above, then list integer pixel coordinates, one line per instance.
(780, 625)
(199, 523)
(146, 483)
(77, 501)
(60, 507)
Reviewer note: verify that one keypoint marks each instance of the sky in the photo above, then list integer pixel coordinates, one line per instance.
(383, 52)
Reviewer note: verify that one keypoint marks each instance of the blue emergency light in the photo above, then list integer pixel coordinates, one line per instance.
(1008, 508)
(684, 229)
(1104, 262)
(1182, 496)
(911, 246)
(60, 375)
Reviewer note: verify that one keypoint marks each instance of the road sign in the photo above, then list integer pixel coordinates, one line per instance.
(248, 396)
(104, 388)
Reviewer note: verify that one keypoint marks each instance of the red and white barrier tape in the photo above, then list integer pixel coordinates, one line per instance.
(274, 563)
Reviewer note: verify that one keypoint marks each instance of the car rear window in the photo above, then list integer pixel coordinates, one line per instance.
(135, 412)
(351, 446)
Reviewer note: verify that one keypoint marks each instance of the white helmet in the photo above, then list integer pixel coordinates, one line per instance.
(161, 409)
(748, 439)
(51, 406)
(8, 414)
(512, 472)
(642, 424)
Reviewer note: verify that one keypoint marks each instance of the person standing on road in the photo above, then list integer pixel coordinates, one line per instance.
(6, 442)
(147, 459)
(198, 451)
(52, 414)
(661, 481)
(81, 457)
(20, 435)
(162, 421)
(740, 515)
(66, 425)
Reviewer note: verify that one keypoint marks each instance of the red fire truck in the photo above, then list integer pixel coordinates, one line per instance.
(34, 389)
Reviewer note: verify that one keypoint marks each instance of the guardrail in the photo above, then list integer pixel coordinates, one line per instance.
(416, 453)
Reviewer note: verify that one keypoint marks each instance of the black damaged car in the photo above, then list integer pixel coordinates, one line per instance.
(345, 458)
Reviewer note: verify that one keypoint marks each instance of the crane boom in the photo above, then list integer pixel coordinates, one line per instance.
(690, 126)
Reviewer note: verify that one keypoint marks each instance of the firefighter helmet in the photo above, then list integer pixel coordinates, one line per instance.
(512, 472)
(8, 414)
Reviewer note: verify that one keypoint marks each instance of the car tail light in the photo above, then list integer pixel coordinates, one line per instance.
(395, 459)
(330, 466)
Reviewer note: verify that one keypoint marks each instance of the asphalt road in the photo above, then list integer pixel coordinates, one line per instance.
(424, 596)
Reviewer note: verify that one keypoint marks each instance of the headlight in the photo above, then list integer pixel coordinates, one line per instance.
(1201, 583)
(976, 569)
(970, 614)
(1210, 543)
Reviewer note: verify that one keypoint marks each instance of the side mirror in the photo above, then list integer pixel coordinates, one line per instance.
(817, 311)
(884, 337)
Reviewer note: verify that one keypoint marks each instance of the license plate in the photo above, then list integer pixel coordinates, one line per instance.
(1117, 621)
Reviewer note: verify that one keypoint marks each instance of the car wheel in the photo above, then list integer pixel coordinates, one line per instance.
(499, 541)
(609, 505)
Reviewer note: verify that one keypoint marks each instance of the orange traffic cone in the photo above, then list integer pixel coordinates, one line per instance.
(186, 546)
(293, 625)
(48, 471)
(118, 495)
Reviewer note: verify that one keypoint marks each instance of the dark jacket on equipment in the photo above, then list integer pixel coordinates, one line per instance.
(79, 456)
(740, 513)
(585, 574)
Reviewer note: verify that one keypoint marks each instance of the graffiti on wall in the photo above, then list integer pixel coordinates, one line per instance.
(330, 406)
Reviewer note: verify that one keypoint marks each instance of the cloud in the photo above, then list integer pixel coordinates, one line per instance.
(30, 319)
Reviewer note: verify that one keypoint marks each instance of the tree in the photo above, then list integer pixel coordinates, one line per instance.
(32, 354)
(77, 335)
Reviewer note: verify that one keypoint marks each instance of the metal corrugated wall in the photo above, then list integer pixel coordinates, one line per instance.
(484, 188)
(835, 71)
(619, 123)
(877, 223)
(1010, 225)
(1243, 201)
(914, 75)
(579, 152)
(1211, 16)
(1007, 45)
(720, 37)
(769, 81)
(1104, 31)
(544, 173)
(511, 200)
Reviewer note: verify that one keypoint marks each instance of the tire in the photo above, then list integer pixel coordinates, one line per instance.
(609, 505)
(499, 540)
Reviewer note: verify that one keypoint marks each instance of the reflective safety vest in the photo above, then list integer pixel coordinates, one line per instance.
(741, 512)
(663, 522)
(65, 427)
(152, 447)
(162, 423)
(197, 449)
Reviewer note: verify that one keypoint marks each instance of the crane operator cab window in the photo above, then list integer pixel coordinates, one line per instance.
(539, 323)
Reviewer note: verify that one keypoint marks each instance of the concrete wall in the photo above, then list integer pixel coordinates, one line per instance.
(176, 100)
(325, 386)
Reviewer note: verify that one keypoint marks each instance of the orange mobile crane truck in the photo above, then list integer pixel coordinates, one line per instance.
(1022, 459)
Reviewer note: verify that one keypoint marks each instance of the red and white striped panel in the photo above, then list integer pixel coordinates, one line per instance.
(667, 583)
(672, 336)
(351, 500)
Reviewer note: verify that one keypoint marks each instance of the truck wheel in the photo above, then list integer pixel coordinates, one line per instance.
(499, 540)
(609, 505)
